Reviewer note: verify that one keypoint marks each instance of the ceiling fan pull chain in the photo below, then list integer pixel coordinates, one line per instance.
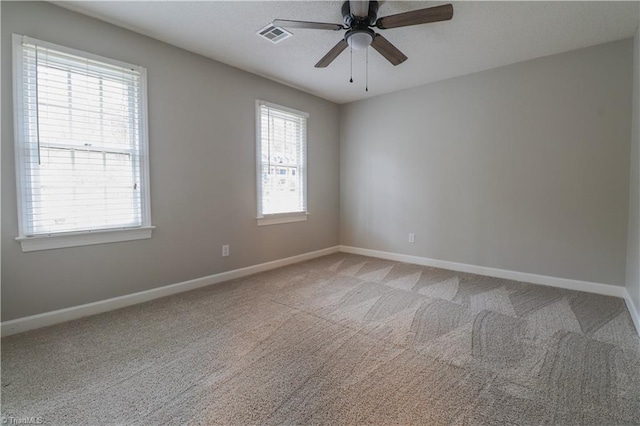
(351, 72)
(366, 85)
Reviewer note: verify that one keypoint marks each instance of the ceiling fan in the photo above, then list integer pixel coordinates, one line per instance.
(359, 19)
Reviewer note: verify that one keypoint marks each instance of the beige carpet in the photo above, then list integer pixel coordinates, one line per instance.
(342, 339)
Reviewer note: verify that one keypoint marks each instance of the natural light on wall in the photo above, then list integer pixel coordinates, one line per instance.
(282, 137)
(81, 142)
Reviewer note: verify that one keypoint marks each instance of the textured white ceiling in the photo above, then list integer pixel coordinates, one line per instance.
(482, 35)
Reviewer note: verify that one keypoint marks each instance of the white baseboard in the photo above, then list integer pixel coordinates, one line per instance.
(67, 314)
(590, 287)
(635, 316)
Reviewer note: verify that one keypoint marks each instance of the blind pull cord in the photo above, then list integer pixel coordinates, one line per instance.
(269, 142)
(37, 109)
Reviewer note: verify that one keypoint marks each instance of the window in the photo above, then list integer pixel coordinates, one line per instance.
(282, 163)
(81, 147)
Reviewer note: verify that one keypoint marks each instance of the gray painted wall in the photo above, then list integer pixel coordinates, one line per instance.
(633, 240)
(202, 143)
(523, 167)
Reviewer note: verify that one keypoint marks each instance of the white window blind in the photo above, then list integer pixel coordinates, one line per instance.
(81, 141)
(282, 143)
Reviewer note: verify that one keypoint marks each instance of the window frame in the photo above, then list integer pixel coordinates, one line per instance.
(288, 217)
(85, 237)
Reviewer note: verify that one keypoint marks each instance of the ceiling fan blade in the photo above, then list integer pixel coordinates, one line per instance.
(359, 8)
(285, 23)
(415, 17)
(388, 50)
(332, 54)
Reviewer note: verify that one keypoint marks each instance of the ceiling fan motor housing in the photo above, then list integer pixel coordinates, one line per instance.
(358, 22)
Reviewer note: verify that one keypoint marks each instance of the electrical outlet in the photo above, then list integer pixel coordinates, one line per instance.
(225, 250)
(412, 238)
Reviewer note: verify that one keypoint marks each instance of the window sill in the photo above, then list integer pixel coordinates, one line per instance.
(85, 238)
(277, 219)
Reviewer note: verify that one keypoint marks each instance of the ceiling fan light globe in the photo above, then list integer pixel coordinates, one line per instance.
(360, 40)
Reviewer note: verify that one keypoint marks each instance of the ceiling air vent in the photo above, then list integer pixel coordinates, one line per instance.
(274, 34)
